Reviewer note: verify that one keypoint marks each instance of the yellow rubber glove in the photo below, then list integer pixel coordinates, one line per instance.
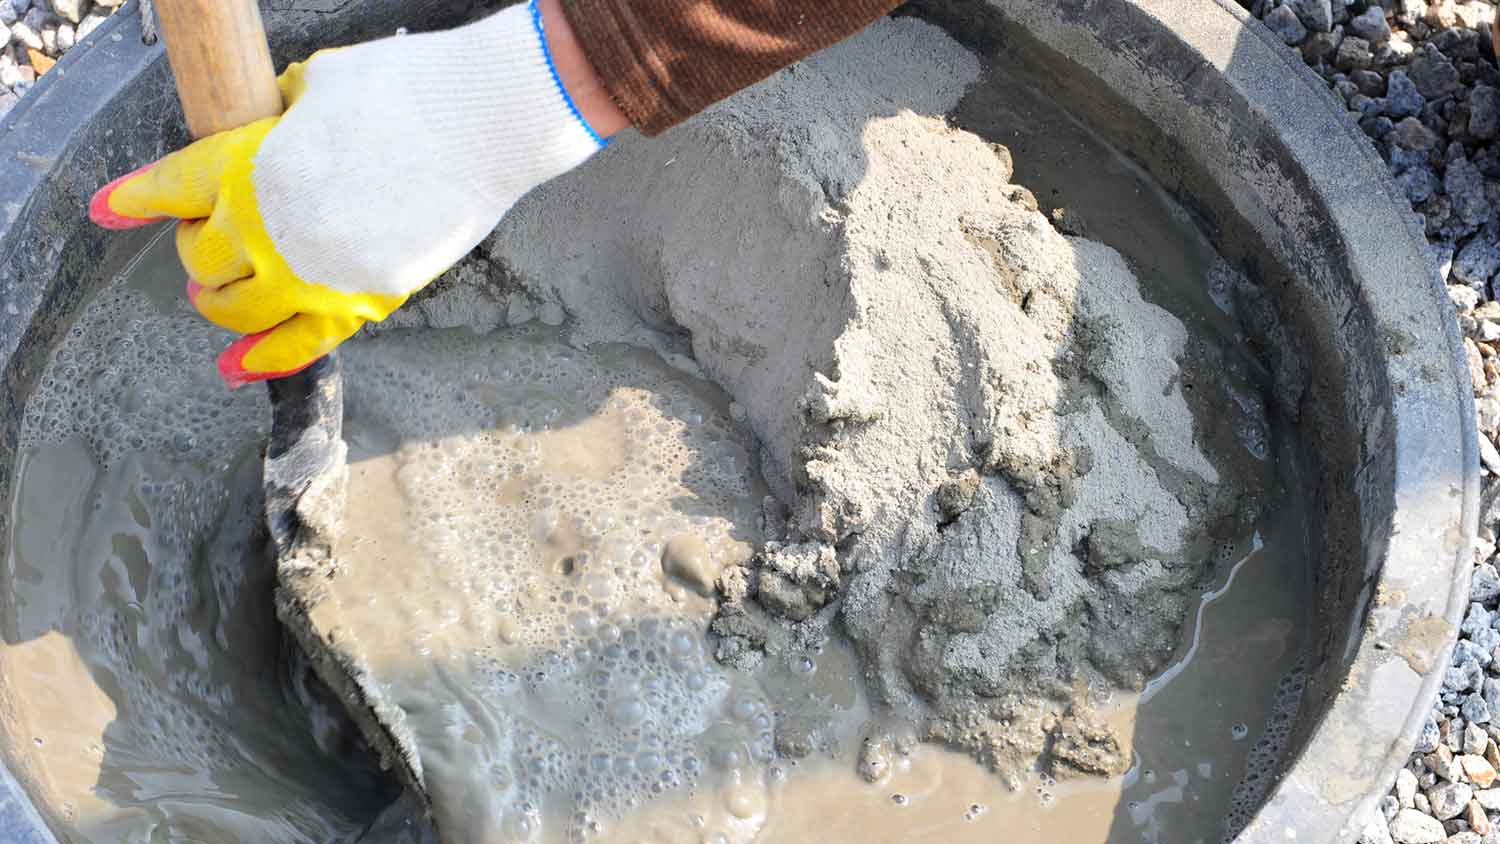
(393, 159)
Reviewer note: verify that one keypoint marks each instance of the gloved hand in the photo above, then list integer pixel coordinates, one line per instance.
(393, 159)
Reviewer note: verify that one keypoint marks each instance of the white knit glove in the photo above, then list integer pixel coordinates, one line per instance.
(394, 158)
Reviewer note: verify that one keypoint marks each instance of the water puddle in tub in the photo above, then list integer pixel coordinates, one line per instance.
(147, 692)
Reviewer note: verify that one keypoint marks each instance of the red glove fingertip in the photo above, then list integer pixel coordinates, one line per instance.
(106, 217)
(232, 363)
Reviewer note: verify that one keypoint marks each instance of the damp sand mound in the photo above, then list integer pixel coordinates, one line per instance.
(983, 465)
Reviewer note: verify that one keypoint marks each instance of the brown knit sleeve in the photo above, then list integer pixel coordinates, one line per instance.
(665, 60)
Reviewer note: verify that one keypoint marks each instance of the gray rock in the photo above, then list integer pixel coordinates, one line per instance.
(1454, 741)
(1369, 83)
(1406, 788)
(1475, 263)
(1460, 45)
(1487, 639)
(1464, 185)
(1475, 739)
(1413, 827)
(1449, 799)
(1377, 127)
(1418, 183)
(1433, 74)
(1475, 710)
(8, 13)
(1469, 674)
(1316, 15)
(67, 36)
(1353, 54)
(1485, 585)
(49, 40)
(1320, 47)
(1402, 159)
(1489, 799)
(36, 17)
(1371, 26)
(1410, 134)
(1423, 805)
(1484, 112)
(1429, 738)
(1467, 650)
(1464, 836)
(1402, 99)
(1389, 807)
(1477, 616)
(1284, 22)
(70, 10)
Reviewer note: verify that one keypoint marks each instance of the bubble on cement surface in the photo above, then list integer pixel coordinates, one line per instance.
(504, 575)
(136, 542)
(1264, 762)
(133, 377)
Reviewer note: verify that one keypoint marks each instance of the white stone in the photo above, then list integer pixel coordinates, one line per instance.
(1406, 788)
(1413, 827)
(70, 10)
(24, 35)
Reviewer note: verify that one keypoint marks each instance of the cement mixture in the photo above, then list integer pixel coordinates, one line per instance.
(1000, 480)
(977, 425)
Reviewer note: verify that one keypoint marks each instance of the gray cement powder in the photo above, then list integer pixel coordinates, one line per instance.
(983, 464)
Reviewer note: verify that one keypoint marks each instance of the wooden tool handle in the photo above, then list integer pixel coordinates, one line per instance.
(219, 55)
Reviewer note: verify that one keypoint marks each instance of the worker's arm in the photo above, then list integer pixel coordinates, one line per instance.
(665, 60)
(396, 157)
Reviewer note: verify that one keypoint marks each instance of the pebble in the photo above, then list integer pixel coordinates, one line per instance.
(1413, 827)
(1406, 788)
(1474, 708)
(1410, 134)
(1478, 821)
(1432, 73)
(39, 32)
(1423, 805)
(1475, 739)
(1489, 798)
(1319, 46)
(1430, 737)
(1464, 185)
(1485, 585)
(1316, 15)
(1478, 771)
(70, 10)
(1477, 261)
(1489, 457)
(1284, 22)
(1353, 54)
(24, 35)
(1371, 25)
(1402, 99)
(1449, 799)
(1418, 183)
(1484, 112)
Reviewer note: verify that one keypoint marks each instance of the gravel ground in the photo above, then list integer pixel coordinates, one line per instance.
(35, 33)
(1421, 80)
